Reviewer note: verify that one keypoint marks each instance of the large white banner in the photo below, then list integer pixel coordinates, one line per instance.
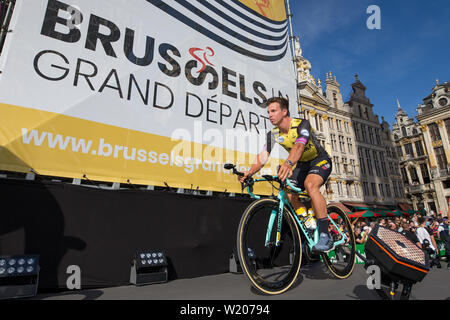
(141, 91)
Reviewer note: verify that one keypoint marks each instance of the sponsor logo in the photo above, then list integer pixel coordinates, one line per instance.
(263, 5)
(305, 133)
(206, 52)
(321, 163)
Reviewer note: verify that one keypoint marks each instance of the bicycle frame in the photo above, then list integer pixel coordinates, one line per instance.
(278, 215)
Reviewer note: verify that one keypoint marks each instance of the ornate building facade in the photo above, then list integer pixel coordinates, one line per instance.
(434, 120)
(365, 167)
(380, 177)
(331, 119)
(414, 162)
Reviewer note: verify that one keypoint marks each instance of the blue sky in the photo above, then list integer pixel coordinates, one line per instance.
(401, 60)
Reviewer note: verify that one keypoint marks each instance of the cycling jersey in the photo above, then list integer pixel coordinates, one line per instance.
(299, 132)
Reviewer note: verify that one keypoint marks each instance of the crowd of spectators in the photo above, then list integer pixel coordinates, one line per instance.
(424, 231)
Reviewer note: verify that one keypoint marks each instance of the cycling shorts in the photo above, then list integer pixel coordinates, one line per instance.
(321, 166)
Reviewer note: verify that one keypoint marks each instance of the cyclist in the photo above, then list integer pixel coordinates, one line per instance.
(308, 165)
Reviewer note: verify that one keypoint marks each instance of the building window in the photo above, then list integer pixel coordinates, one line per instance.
(425, 172)
(316, 122)
(369, 162)
(356, 127)
(413, 174)
(447, 126)
(388, 190)
(391, 168)
(419, 148)
(330, 123)
(336, 164)
(404, 132)
(339, 125)
(363, 132)
(434, 132)
(380, 187)
(374, 189)
(341, 143)
(333, 142)
(361, 161)
(346, 127)
(345, 164)
(348, 190)
(399, 151)
(377, 136)
(383, 167)
(377, 164)
(356, 190)
(409, 150)
(320, 123)
(394, 154)
(353, 166)
(366, 189)
(371, 135)
(350, 145)
(405, 176)
(441, 158)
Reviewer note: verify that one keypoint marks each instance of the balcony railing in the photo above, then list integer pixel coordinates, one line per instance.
(440, 173)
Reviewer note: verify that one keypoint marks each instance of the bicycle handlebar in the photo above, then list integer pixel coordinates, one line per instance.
(249, 181)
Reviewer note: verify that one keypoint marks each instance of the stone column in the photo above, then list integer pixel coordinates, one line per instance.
(444, 137)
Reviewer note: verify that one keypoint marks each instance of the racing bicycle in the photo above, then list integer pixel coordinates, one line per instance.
(270, 233)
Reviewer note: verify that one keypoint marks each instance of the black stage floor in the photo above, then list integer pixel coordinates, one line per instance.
(313, 284)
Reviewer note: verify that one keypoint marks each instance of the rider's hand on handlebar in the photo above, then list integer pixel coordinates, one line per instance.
(245, 176)
(285, 171)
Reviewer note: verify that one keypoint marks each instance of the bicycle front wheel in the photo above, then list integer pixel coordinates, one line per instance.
(271, 269)
(340, 261)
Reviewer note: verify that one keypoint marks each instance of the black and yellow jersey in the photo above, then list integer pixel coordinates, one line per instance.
(300, 132)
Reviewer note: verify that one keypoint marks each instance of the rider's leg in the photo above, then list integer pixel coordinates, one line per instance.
(295, 201)
(293, 198)
(313, 183)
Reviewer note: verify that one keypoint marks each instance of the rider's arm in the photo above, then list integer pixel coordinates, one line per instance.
(294, 155)
(303, 135)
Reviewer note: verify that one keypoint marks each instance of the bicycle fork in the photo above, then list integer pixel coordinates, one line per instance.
(276, 213)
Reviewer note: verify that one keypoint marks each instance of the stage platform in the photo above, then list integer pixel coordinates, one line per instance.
(313, 284)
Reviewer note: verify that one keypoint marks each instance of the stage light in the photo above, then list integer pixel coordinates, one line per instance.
(149, 267)
(19, 276)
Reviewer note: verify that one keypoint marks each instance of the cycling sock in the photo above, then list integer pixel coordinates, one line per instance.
(323, 225)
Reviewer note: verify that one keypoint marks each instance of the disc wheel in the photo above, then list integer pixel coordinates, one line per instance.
(340, 261)
(271, 269)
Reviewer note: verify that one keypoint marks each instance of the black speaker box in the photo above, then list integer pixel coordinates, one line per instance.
(396, 255)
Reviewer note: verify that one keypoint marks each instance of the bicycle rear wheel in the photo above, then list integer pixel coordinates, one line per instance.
(340, 261)
(271, 270)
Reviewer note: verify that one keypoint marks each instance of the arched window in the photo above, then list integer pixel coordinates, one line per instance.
(404, 132)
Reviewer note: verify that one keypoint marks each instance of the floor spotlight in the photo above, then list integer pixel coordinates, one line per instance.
(149, 267)
(19, 276)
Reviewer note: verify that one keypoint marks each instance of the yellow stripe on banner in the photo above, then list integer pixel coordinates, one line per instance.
(60, 145)
(272, 9)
